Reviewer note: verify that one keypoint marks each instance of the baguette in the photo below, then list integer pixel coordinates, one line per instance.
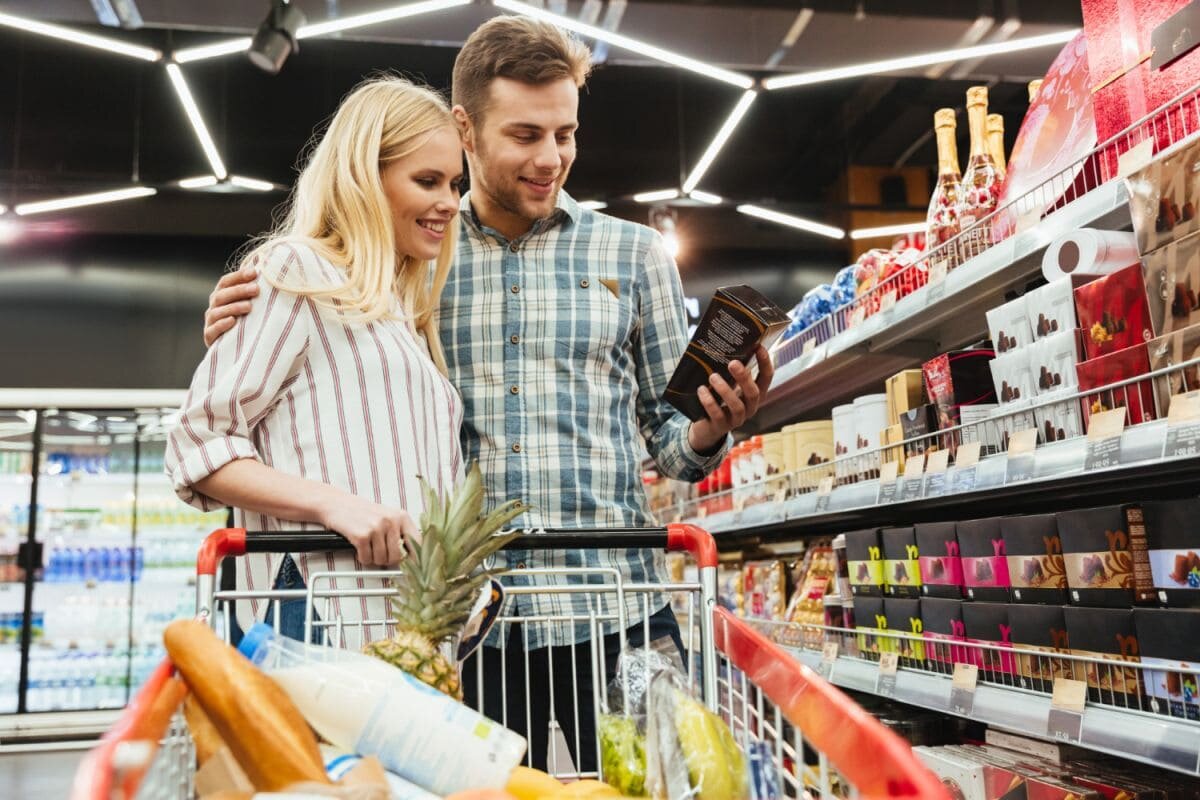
(263, 728)
(208, 741)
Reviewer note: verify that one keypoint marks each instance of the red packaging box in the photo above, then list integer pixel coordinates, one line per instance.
(1113, 312)
(1122, 365)
(958, 378)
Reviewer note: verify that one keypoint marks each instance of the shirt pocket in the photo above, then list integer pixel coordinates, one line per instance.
(594, 316)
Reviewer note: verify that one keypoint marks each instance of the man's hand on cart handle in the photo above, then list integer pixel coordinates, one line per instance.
(377, 532)
(230, 300)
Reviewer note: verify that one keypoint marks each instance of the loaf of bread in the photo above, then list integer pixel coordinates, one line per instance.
(208, 741)
(255, 718)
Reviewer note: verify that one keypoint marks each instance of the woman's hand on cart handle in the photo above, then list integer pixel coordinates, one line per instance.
(377, 532)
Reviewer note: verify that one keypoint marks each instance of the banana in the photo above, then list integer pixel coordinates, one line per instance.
(526, 783)
(715, 764)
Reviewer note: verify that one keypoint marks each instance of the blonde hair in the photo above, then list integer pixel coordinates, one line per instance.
(519, 48)
(339, 209)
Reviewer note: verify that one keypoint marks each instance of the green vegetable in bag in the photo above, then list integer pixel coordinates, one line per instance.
(623, 755)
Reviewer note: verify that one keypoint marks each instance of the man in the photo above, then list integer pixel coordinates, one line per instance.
(561, 328)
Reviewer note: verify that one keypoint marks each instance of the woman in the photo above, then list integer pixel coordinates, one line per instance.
(329, 398)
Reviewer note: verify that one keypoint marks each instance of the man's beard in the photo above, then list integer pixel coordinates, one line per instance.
(509, 198)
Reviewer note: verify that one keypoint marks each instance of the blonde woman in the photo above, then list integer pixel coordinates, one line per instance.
(327, 400)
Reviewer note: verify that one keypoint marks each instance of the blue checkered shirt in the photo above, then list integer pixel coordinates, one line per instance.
(561, 343)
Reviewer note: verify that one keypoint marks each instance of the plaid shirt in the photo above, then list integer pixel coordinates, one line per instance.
(561, 343)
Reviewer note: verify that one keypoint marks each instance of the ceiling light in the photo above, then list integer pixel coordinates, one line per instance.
(627, 43)
(193, 115)
(84, 200)
(974, 35)
(922, 60)
(79, 37)
(275, 38)
(251, 183)
(202, 182)
(662, 219)
(3, 209)
(594, 205)
(706, 197)
(225, 48)
(656, 196)
(710, 155)
(10, 231)
(887, 230)
(793, 222)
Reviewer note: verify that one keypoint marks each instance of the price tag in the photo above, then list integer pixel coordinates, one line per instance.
(1065, 722)
(828, 658)
(888, 301)
(1183, 426)
(824, 489)
(935, 473)
(858, 315)
(962, 689)
(1021, 462)
(965, 461)
(885, 682)
(887, 482)
(809, 346)
(1135, 158)
(914, 472)
(1104, 439)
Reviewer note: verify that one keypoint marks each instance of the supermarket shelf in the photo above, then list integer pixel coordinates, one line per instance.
(55, 726)
(930, 320)
(1153, 739)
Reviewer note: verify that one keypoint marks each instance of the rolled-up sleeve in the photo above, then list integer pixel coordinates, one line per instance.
(239, 381)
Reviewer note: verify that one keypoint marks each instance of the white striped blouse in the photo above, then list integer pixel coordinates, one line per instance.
(358, 406)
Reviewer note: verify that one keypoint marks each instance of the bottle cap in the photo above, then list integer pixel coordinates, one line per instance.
(252, 642)
(977, 96)
(995, 122)
(944, 117)
(1033, 89)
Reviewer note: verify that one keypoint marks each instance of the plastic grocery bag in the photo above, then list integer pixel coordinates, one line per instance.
(622, 723)
(691, 752)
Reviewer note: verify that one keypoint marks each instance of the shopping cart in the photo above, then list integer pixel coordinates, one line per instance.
(806, 737)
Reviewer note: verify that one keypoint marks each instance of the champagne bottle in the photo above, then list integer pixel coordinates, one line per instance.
(981, 182)
(1034, 86)
(941, 223)
(995, 138)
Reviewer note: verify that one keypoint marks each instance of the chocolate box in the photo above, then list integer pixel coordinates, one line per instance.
(1163, 197)
(938, 556)
(984, 559)
(1008, 326)
(958, 378)
(942, 626)
(1012, 376)
(1106, 633)
(919, 421)
(1113, 312)
(1051, 308)
(1036, 570)
(1052, 361)
(962, 778)
(987, 624)
(1172, 284)
(904, 617)
(904, 391)
(901, 568)
(1104, 549)
(1010, 776)
(1041, 628)
(1059, 417)
(869, 622)
(1137, 397)
(864, 559)
(1173, 543)
(1172, 350)
(1169, 642)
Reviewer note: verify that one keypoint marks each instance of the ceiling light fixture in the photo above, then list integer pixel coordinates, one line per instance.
(922, 60)
(714, 148)
(79, 37)
(77, 201)
(251, 183)
(3, 209)
(594, 205)
(275, 38)
(193, 115)
(10, 231)
(793, 222)
(706, 197)
(656, 196)
(973, 35)
(627, 43)
(201, 182)
(888, 230)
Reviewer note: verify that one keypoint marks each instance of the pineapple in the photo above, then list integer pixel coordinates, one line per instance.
(440, 583)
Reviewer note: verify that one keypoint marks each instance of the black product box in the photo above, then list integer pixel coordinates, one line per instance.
(864, 559)
(901, 568)
(938, 554)
(1173, 542)
(919, 421)
(942, 625)
(735, 323)
(987, 624)
(1106, 633)
(904, 617)
(1035, 559)
(869, 621)
(1169, 640)
(984, 559)
(1104, 550)
(1041, 628)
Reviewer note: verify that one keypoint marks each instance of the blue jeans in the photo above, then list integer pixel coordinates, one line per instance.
(291, 612)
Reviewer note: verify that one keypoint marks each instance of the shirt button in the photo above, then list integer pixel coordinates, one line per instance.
(516, 248)
(514, 339)
(584, 283)
(516, 289)
(516, 448)
(521, 565)
(514, 390)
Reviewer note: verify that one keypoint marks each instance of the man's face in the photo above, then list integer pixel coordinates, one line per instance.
(523, 148)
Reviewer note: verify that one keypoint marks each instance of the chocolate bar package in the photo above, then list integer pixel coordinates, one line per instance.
(1051, 308)
(958, 378)
(736, 322)
(1169, 642)
(1008, 326)
(1173, 542)
(963, 778)
(1104, 550)
(1172, 350)
(870, 621)
(1137, 397)
(984, 559)
(864, 559)
(1106, 633)
(1162, 199)
(1113, 312)
(904, 617)
(1058, 417)
(942, 626)
(987, 624)
(1012, 376)
(938, 556)
(1172, 282)
(1052, 361)
(901, 569)
(1035, 559)
(916, 422)
(1044, 629)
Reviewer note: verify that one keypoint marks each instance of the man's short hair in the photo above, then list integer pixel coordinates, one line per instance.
(518, 48)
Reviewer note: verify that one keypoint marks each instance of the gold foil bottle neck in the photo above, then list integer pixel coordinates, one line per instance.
(977, 96)
(945, 118)
(995, 123)
(1034, 86)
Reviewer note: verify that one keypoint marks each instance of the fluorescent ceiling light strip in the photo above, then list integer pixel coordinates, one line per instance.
(189, 54)
(594, 205)
(193, 114)
(887, 230)
(656, 196)
(710, 155)
(77, 201)
(922, 60)
(706, 197)
(79, 37)
(201, 182)
(974, 35)
(793, 222)
(630, 44)
(251, 183)
(3, 209)
(377, 17)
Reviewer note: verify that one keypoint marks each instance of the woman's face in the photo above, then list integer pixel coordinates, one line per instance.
(422, 190)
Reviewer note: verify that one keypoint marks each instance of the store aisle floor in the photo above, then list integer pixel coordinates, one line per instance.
(43, 775)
